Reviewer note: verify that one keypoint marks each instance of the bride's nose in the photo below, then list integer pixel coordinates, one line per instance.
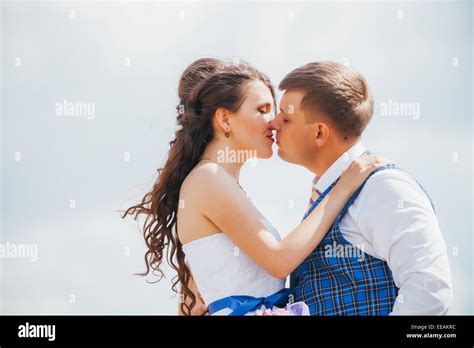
(269, 118)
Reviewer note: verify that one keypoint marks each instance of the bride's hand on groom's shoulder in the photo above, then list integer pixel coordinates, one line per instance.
(359, 170)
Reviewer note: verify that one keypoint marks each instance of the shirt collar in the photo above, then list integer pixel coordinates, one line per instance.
(335, 170)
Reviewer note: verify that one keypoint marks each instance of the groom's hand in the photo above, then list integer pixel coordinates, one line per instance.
(200, 309)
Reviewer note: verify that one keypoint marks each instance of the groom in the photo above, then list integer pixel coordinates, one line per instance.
(385, 253)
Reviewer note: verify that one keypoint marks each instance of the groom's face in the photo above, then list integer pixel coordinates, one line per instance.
(294, 136)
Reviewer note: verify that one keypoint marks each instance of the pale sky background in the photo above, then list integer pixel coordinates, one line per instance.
(79, 51)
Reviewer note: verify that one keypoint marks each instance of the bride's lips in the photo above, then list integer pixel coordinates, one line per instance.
(270, 136)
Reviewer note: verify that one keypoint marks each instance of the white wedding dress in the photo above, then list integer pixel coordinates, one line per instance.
(220, 269)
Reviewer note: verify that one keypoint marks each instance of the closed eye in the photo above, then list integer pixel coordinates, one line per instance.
(265, 109)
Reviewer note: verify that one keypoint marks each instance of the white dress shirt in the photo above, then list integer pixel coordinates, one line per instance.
(392, 219)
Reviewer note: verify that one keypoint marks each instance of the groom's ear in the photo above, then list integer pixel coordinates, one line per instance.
(321, 132)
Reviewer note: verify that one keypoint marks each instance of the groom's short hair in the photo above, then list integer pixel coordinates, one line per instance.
(335, 89)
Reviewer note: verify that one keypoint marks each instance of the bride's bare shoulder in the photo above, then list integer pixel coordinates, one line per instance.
(203, 177)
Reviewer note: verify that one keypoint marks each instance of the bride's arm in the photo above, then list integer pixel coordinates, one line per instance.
(230, 210)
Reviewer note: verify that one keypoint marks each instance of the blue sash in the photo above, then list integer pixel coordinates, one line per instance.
(242, 305)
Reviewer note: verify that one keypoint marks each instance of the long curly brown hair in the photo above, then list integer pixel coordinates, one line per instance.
(206, 85)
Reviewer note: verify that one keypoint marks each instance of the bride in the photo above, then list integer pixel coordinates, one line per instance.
(197, 213)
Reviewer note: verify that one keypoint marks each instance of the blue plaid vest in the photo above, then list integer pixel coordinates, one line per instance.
(344, 283)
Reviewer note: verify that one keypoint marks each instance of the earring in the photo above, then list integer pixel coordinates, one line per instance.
(226, 134)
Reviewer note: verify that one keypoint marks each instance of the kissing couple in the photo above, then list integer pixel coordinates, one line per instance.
(369, 243)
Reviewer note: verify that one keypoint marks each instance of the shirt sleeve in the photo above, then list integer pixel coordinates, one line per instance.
(396, 216)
